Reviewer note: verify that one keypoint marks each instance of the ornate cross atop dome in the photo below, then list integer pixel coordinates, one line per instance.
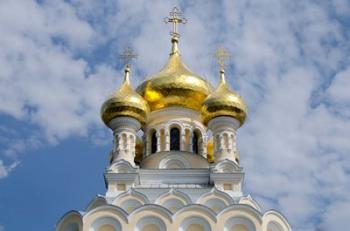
(175, 18)
(222, 55)
(127, 56)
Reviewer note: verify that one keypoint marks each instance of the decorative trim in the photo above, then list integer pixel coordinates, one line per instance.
(207, 211)
(243, 208)
(195, 220)
(218, 194)
(99, 222)
(112, 208)
(160, 209)
(94, 201)
(276, 213)
(67, 215)
(239, 221)
(177, 194)
(222, 165)
(131, 193)
(173, 158)
(251, 200)
(150, 220)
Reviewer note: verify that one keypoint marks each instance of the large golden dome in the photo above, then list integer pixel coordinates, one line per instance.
(125, 102)
(174, 85)
(224, 102)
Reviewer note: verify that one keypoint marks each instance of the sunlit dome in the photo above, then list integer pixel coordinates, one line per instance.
(224, 102)
(174, 85)
(125, 102)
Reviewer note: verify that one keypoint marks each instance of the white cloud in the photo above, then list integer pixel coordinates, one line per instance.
(5, 170)
(290, 63)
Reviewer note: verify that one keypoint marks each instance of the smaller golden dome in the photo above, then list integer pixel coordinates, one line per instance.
(125, 102)
(223, 102)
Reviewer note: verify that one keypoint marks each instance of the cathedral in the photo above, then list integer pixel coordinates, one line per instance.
(174, 163)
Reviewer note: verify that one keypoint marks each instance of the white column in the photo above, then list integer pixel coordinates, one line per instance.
(158, 139)
(182, 139)
(167, 139)
(190, 143)
(203, 150)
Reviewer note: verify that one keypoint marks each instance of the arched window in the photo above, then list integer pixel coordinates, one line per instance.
(175, 139)
(195, 146)
(153, 142)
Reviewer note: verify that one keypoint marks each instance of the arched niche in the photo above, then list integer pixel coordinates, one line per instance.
(215, 204)
(239, 224)
(239, 227)
(130, 205)
(150, 224)
(71, 221)
(274, 226)
(195, 224)
(73, 226)
(173, 204)
(106, 227)
(174, 162)
(105, 224)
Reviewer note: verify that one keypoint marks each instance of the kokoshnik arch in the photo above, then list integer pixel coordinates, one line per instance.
(174, 177)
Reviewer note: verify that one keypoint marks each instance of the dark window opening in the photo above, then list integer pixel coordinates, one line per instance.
(195, 147)
(175, 139)
(154, 142)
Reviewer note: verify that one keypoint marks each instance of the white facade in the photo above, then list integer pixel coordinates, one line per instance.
(174, 189)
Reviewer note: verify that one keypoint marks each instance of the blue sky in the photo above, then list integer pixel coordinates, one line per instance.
(290, 62)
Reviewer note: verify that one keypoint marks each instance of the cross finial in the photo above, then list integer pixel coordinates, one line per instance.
(127, 56)
(175, 18)
(222, 55)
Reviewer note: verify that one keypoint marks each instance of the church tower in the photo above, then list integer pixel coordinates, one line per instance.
(174, 164)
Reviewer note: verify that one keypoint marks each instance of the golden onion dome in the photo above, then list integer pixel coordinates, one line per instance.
(174, 85)
(125, 102)
(223, 102)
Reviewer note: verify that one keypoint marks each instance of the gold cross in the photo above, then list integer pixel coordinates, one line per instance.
(127, 56)
(222, 55)
(175, 18)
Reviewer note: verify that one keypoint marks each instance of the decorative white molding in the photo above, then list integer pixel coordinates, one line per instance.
(131, 193)
(248, 224)
(150, 220)
(225, 166)
(275, 216)
(215, 193)
(115, 210)
(66, 217)
(195, 220)
(168, 176)
(99, 222)
(174, 161)
(122, 166)
(248, 200)
(173, 193)
(97, 201)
